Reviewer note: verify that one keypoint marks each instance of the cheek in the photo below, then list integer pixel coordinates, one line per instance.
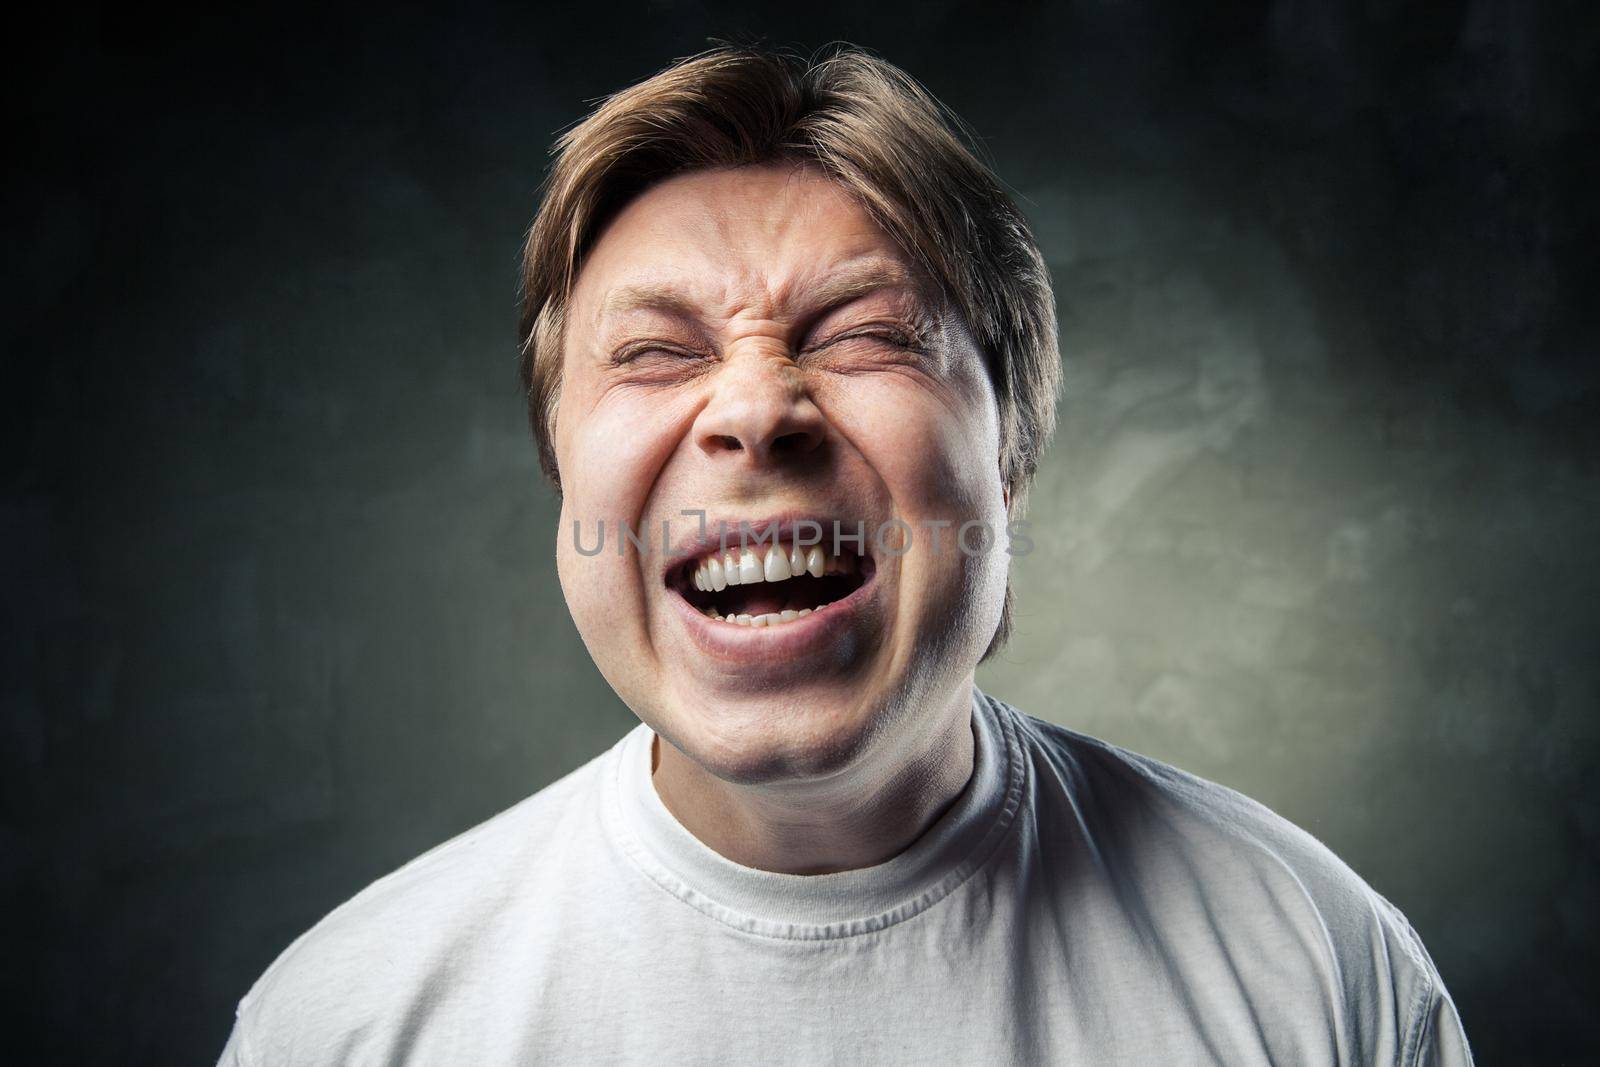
(937, 455)
(610, 451)
(936, 452)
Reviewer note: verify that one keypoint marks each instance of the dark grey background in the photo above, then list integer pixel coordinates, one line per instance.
(280, 611)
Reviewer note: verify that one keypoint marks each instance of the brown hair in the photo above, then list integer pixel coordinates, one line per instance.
(870, 127)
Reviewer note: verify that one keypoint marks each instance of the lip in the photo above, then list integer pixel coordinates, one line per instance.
(766, 650)
(701, 542)
(760, 650)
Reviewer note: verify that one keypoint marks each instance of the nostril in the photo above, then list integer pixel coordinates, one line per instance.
(730, 442)
(791, 442)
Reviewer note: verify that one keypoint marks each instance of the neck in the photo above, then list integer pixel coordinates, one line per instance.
(870, 813)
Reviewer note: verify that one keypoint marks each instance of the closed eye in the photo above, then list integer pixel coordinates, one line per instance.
(651, 351)
(900, 338)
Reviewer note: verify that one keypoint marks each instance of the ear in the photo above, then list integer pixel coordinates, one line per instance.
(1005, 489)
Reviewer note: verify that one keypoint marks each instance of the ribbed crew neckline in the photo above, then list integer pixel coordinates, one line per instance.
(820, 906)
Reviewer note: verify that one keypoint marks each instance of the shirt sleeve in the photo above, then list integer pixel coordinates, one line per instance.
(1441, 1040)
(1433, 1035)
(233, 1052)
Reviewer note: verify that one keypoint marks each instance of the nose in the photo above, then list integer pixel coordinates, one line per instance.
(760, 412)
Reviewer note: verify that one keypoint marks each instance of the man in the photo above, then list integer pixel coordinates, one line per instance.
(790, 359)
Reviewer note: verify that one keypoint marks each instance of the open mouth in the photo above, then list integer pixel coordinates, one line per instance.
(767, 585)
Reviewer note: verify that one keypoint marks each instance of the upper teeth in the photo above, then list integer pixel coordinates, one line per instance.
(767, 563)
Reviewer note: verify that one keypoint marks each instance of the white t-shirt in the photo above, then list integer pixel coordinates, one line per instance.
(1078, 903)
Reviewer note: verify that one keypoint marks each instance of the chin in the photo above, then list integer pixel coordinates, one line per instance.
(756, 739)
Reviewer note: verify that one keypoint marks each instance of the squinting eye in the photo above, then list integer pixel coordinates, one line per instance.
(879, 332)
(650, 352)
(892, 337)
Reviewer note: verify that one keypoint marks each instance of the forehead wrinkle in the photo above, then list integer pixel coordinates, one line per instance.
(795, 297)
(668, 299)
(728, 233)
(849, 282)
(663, 297)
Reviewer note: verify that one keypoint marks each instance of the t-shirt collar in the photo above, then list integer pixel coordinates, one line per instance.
(821, 905)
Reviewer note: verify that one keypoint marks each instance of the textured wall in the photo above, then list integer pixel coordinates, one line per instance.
(280, 613)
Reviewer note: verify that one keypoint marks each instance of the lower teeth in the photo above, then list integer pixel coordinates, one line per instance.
(773, 618)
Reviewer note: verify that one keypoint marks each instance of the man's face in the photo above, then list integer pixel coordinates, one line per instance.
(748, 343)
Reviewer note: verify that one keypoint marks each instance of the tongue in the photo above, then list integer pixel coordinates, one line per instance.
(760, 601)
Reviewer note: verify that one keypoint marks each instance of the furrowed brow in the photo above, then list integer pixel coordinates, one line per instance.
(832, 292)
(646, 296)
(865, 280)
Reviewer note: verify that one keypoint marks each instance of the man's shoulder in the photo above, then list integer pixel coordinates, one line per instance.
(1133, 800)
(1200, 860)
(378, 951)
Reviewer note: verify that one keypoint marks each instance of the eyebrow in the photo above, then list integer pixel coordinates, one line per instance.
(842, 288)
